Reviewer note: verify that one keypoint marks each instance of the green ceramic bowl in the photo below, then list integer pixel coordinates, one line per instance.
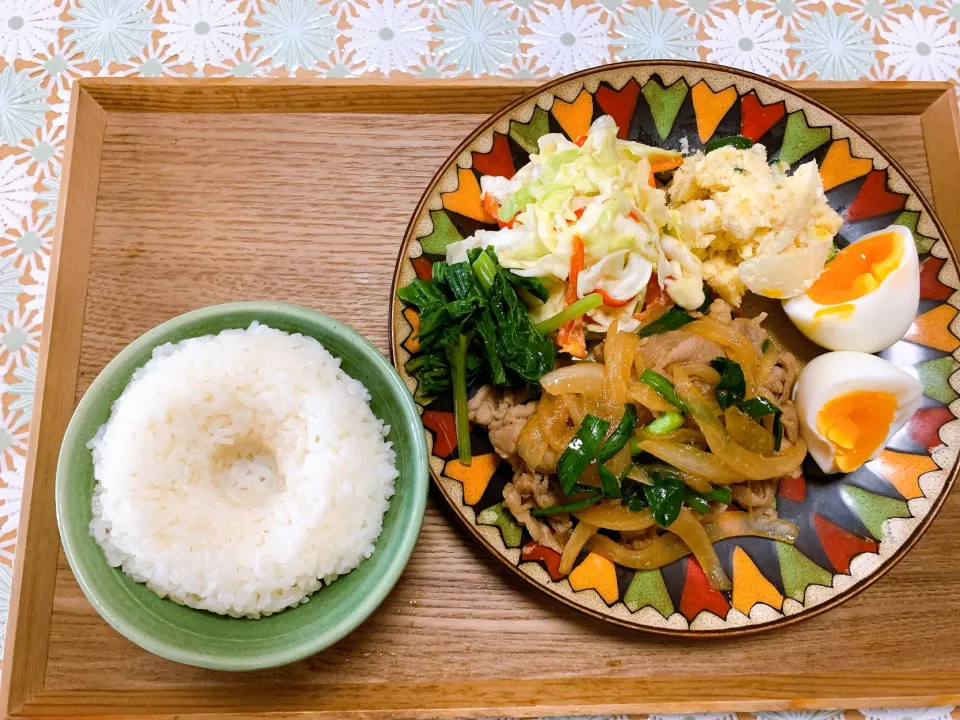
(196, 637)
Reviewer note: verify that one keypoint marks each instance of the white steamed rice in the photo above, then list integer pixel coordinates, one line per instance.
(239, 471)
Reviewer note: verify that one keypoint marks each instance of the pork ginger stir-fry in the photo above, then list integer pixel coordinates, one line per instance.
(667, 444)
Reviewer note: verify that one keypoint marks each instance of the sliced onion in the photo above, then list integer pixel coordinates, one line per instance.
(585, 378)
(695, 537)
(751, 465)
(669, 547)
(693, 460)
(662, 551)
(738, 347)
(745, 431)
(581, 534)
(611, 515)
(742, 524)
(642, 394)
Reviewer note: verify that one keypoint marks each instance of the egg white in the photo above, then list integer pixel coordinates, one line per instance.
(872, 322)
(838, 373)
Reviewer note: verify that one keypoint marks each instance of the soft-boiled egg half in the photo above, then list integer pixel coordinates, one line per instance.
(849, 404)
(866, 298)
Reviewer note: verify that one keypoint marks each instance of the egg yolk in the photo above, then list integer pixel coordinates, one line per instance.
(858, 269)
(856, 423)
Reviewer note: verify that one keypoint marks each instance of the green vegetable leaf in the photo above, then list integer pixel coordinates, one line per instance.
(611, 487)
(632, 495)
(434, 324)
(424, 294)
(665, 497)
(672, 319)
(664, 387)
(620, 436)
(520, 346)
(732, 386)
(580, 451)
(738, 141)
(531, 284)
(759, 407)
(707, 299)
(569, 507)
(767, 344)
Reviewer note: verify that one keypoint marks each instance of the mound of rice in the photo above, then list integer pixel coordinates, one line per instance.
(239, 471)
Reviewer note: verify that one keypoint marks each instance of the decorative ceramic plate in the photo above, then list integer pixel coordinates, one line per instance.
(853, 528)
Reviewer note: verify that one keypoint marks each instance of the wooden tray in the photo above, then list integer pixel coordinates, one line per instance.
(179, 194)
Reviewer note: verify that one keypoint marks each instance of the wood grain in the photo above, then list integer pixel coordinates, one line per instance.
(194, 209)
(35, 571)
(941, 130)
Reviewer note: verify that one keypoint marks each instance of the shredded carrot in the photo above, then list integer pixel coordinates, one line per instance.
(655, 302)
(571, 337)
(579, 212)
(493, 208)
(609, 301)
(581, 140)
(665, 165)
(662, 166)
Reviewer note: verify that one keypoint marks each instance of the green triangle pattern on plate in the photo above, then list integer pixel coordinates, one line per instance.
(909, 219)
(647, 588)
(665, 103)
(497, 517)
(526, 135)
(799, 572)
(935, 376)
(799, 138)
(444, 232)
(874, 510)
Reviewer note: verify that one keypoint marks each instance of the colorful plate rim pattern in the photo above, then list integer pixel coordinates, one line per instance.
(878, 514)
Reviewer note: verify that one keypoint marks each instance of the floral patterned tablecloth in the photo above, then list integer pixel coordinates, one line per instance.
(46, 44)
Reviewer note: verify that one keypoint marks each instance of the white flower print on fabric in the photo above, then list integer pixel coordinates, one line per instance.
(695, 12)
(523, 11)
(30, 242)
(341, 9)
(10, 495)
(790, 14)
(342, 64)
(154, 62)
(110, 30)
(16, 191)
(434, 66)
(525, 67)
(802, 715)
(25, 389)
(834, 47)
(651, 33)
(59, 66)
(13, 449)
(476, 37)
(204, 32)
(566, 39)
(43, 150)
(10, 287)
(48, 198)
(698, 716)
(613, 11)
(920, 48)
(6, 580)
(7, 546)
(19, 335)
(37, 290)
(22, 106)
(246, 63)
(872, 14)
(389, 35)
(938, 713)
(750, 41)
(295, 33)
(27, 28)
(948, 12)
